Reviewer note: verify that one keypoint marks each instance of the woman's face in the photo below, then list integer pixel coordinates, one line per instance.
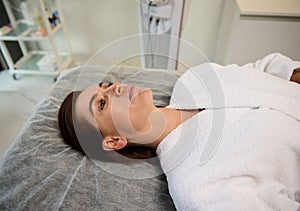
(116, 109)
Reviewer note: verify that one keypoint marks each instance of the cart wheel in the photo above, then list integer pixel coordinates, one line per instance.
(15, 76)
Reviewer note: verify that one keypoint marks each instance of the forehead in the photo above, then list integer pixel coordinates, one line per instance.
(83, 103)
(88, 93)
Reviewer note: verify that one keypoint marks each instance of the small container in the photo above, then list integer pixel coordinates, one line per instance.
(28, 11)
(5, 29)
(47, 63)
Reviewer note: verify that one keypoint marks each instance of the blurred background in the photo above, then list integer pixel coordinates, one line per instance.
(224, 31)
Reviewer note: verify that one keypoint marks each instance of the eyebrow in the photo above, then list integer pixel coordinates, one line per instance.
(91, 103)
(92, 100)
(95, 95)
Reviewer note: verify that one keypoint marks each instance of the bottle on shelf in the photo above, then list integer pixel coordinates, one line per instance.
(27, 10)
(53, 15)
(41, 30)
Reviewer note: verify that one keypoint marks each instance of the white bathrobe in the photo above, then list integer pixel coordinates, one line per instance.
(243, 151)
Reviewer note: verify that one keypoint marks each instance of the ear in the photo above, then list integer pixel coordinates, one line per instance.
(110, 143)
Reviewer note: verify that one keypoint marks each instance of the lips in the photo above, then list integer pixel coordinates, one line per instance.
(131, 92)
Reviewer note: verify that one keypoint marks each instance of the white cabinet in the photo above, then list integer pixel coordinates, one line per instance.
(23, 32)
(251, 29)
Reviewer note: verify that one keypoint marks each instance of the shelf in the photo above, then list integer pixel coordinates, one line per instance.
(23, 31)
(28, 64)
(280, 8)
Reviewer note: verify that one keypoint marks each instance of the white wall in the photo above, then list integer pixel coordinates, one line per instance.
(202, 27)
(93, 24)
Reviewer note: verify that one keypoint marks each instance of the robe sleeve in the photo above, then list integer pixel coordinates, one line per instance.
(275, 64)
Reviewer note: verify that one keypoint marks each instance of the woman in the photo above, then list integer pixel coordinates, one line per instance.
(233, 147)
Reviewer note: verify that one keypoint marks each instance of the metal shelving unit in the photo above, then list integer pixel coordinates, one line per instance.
(22, 32)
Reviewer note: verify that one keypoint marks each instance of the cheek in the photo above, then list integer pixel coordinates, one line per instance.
(119, 114)
(130, 117)
(119, 108)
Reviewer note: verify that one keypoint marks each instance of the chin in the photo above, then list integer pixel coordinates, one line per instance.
(146, 94)
(143, 99)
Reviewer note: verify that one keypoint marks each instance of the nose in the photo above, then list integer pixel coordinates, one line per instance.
(114, 89)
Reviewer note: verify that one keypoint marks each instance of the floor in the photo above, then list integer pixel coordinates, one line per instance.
(17, 100)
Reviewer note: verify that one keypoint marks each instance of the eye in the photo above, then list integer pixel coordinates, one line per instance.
(108, 84)
(102, 104)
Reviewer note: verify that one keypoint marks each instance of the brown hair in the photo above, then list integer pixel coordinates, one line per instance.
(67, 130)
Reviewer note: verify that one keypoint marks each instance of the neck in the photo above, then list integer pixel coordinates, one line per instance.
(173, 118)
